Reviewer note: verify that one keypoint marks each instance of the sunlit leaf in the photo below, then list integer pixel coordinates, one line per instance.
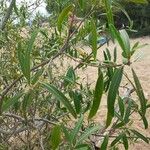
(55, 137)
(94, 38)
(104, 143)
(63, 15)
(139, 135)
(108, 6)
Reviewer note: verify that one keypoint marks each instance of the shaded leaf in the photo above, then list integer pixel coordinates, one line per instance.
(97, 95)
(116, 140)
(61, 97)
(10, 102)
(112, 93)
(76, 129)
(87, 133)
(121, 106)
(140, 93)
(125, 141)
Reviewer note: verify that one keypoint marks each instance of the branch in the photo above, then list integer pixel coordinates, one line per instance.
(8, 13)
(70, 35)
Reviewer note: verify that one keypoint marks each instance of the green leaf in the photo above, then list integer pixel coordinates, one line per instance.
(16, 9)
(112, 93)
(128, 112)
(27, 55)
(60, 97)
(26, 101)
(140, 93)
(94, 38)
(75, 131)
(87, 133)
(67, 135)
(139, 1)
(139, 135)
(55, 137)
(115, 54)
(37, 75)
(108, 54)
(10, 102)
(125, 141)
(144, 119)
(82, 147)
(63, 15)
(126, 41)
(97, 95)
(116, 140)
(77, 98)
(70, 76)
(24, 56)
(121, 106)
(81, 4)
(118, 36)
(108, 6)
(105, 143)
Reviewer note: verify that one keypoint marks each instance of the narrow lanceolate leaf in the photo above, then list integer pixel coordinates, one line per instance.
(81, 4)
(76, 129)
(116, 140)
(125, 38)
(70, 76)
(140, 93)
(60, 97)
(117, 35)
(125, 141)
(10, 102)
(24, 56)
(105, 143)
(87, 133)
(139, 1)
(27, 55)
(94, 38)
(128, 112)
(144, 119)
(139, 135)
(55, 137)
(67, 134)
(121, 106)
(112, 93)
(63, 15)
(109, 11)
(97, 95)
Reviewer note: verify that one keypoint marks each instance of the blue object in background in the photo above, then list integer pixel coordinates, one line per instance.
(102, 40)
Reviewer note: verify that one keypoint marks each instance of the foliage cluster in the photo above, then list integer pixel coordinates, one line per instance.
(45, 105)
